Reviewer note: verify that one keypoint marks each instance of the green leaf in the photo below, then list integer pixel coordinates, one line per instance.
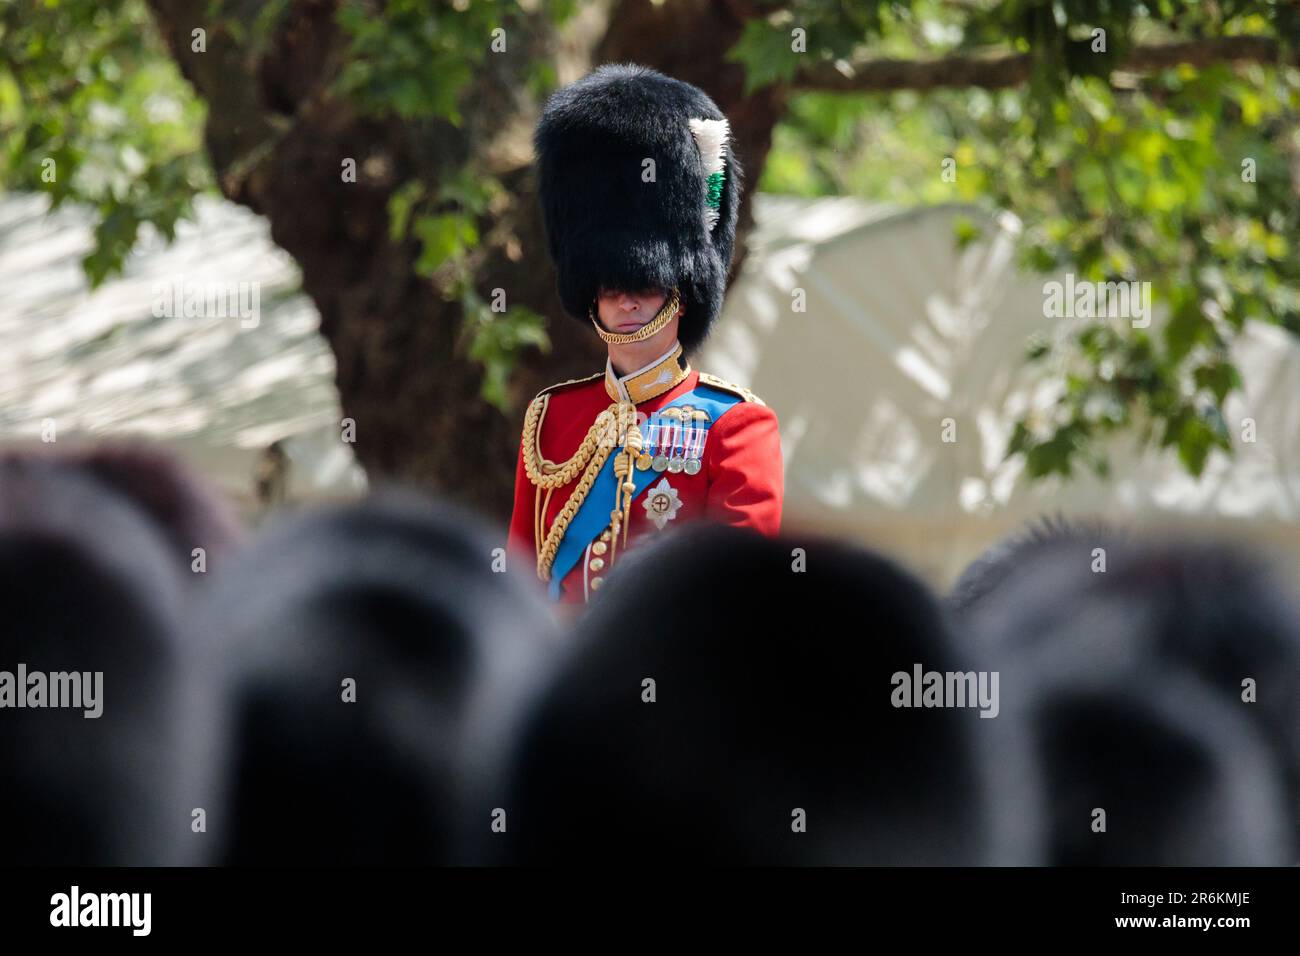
(496, 341)
(400, 205)
(966, 231)
(1195, 441)
(1219, 377)
(442, 238)
(766, 52)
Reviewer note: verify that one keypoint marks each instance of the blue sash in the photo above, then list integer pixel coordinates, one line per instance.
(593, 515)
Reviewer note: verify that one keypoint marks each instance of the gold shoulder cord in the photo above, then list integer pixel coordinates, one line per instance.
(615, 426)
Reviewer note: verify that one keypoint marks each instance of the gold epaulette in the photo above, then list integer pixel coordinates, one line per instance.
(573, 381)
(714, 382)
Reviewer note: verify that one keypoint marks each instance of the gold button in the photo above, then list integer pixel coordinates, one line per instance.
(596, 583)
(600, 547)
(597, 564)
(605, 536)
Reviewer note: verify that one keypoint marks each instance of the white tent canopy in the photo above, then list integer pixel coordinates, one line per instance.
(216, 391)
(902, 331)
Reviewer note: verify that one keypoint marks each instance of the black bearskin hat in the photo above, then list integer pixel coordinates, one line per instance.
(609, 223)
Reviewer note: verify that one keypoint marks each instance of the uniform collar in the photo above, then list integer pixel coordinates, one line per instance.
(649, 381)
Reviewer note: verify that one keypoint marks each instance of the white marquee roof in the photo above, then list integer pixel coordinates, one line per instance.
(902, 331)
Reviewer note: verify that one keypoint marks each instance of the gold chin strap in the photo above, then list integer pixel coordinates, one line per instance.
(655, 325)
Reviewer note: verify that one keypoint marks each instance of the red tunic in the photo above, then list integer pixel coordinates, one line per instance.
(740, 483)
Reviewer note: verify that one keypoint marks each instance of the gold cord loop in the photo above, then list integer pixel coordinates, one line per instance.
(614, 428)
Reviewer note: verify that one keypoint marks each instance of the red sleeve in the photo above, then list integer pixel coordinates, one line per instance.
(521, 542)
(746, 474)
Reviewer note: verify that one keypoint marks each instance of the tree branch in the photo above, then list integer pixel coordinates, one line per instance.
(1008, 70)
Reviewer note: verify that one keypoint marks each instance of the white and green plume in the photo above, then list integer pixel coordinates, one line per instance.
(711, 137)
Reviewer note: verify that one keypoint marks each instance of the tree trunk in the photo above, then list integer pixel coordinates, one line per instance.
(277, 138)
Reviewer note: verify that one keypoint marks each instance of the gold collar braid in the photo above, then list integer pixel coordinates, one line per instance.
(663, 375)
(655, 325)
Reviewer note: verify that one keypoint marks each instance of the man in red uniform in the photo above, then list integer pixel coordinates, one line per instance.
(640, 193)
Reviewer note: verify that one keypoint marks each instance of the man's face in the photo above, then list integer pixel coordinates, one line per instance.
(627, 311)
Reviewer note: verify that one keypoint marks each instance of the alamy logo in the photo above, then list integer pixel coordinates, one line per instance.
(922, 688)
(1081, 299)
(212, 300)
(103, 909)
(82, 690)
